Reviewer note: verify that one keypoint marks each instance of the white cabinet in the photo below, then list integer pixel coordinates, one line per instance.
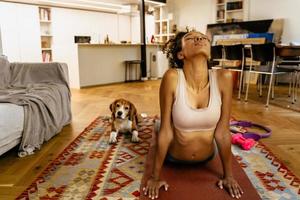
(163, 24)
(231, 11)
(20, 32)
(162, 63)
(159, 64)
(46, 33)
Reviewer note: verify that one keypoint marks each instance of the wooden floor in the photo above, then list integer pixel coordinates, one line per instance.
(17, 173)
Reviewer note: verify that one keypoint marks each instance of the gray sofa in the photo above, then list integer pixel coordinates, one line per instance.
(34, 104)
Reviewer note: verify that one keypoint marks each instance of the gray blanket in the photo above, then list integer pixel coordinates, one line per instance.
(43, 91)
(4, 72)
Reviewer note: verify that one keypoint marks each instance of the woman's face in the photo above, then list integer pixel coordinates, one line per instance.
(194, 44)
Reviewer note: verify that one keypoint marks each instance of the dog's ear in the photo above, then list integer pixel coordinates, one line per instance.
(112, 108)
(132, 113)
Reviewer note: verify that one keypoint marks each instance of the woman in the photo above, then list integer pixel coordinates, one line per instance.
(195, 106)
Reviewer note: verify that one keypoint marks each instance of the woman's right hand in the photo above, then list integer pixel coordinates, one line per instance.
(153, 186)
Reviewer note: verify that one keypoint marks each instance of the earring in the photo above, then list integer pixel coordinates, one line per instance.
(181, 55)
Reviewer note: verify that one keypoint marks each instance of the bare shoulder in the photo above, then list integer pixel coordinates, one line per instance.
(170, 74)
(170, 77)
(169, 83)
(225, 79)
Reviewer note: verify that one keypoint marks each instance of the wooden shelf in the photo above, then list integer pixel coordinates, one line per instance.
(163, 25)
(164, 34)
(45, 21)
(234, 1)
(163, 20)
(45, 14)
(46, 39)
(232, 11)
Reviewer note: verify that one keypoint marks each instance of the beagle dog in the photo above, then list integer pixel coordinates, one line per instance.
(124, 119)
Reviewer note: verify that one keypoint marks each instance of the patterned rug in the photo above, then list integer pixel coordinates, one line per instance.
(271, 178)
(89, 168)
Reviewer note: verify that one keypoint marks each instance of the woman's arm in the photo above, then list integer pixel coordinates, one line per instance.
(223, 136)
(165, 135)
(222, 133)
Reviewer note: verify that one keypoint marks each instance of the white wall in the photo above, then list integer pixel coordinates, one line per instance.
(287, 9)
(150, 27)
(20, 32)
(67, 23)
(135, 29)
(199, 13)
(0, 43)
(123, 25)
(193, 13)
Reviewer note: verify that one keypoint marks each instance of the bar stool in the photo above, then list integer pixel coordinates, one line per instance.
(129, 64)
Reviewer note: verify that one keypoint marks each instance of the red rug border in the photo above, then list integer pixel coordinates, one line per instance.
(73, 144)
(282, 168)
(57, 158)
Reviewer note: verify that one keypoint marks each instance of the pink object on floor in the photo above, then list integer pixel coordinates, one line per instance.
(244, 143)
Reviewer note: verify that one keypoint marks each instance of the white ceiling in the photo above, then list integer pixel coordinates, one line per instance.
(119, 1)
(123, 2)
(115, 6)
(99, 2)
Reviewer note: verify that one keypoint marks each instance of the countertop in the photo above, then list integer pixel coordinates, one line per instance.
(116, 44)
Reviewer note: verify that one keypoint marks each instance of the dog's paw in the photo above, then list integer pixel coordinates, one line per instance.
(113, 137)
(135, 137)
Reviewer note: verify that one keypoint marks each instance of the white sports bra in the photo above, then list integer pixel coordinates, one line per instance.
(188, 119)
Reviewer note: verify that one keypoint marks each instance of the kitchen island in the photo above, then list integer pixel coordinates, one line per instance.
(104, 63)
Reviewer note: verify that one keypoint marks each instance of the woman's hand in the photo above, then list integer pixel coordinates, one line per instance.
(232, 186)
(153, 186)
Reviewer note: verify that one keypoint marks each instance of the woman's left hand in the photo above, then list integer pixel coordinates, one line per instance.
(232, 186)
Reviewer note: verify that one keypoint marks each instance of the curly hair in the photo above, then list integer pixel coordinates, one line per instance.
(172, 47)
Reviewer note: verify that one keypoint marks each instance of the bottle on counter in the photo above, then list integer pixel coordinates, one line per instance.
(152, 39)
(106, 40)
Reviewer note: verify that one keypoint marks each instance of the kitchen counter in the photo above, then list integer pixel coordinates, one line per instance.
(104, 63)
(117, 44)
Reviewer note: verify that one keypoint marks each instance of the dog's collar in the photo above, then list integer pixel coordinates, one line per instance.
(247, 134)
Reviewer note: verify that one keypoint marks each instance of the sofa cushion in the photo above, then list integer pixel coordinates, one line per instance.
(4, 71)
